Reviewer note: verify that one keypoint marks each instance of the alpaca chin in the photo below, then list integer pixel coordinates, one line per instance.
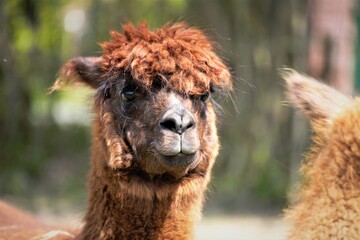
(180, 165)
(172, 167)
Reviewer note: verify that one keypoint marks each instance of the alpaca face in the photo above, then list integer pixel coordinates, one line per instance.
(152, 103)
(162, 129)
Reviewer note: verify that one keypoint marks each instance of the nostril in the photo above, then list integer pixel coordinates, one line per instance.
(187, 121)
(177, 126)
(188, 125)
(169, 124)
(177, 121)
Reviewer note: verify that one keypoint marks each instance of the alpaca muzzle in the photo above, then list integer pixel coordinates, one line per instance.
(178, 132)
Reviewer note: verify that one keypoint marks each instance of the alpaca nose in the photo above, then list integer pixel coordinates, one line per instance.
(177, 120)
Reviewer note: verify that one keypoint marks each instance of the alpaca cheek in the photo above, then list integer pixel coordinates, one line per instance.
(136, 139)
(210, 139)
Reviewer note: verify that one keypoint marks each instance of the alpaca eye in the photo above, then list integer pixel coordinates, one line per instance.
(107, 93)
(128, 94)
(205, 96)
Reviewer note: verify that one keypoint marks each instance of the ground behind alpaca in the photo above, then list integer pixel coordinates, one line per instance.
(247, 226)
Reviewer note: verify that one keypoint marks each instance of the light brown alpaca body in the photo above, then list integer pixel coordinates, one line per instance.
(154, 131)
(328, 204)
(15, 225)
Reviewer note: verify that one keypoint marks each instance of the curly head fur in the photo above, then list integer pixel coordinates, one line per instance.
(177, 55)
(181, 56)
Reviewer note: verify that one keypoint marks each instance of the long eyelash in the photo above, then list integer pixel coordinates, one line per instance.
(123, 111)
(101, 93)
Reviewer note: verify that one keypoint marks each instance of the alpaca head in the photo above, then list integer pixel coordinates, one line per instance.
(335, 117)
(317, 101)
(153, 105)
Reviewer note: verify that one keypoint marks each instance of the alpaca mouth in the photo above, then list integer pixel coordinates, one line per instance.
(177, 146)
(177, 149)
(181, 164)
(178, 153)
(179, 159)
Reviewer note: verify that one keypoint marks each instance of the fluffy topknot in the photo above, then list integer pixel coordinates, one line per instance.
(181, 56)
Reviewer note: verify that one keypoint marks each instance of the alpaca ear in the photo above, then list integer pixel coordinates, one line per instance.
(80, 69)
(314, 99)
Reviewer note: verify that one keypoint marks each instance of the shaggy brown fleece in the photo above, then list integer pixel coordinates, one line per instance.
(328, 204)
(154, 130)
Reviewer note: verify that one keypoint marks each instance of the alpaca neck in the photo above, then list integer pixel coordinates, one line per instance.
(121, 215)
(128, 207)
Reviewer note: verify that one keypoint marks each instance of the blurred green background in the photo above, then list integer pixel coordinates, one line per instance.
(45, 139)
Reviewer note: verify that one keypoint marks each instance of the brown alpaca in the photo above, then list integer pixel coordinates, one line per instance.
(154, 131)
(328, 204)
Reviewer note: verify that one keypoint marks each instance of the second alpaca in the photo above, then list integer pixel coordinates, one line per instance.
(328, 204)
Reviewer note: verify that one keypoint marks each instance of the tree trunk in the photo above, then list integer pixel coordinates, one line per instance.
(331, 46)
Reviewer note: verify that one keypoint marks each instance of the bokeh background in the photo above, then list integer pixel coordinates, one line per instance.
(45, 139)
